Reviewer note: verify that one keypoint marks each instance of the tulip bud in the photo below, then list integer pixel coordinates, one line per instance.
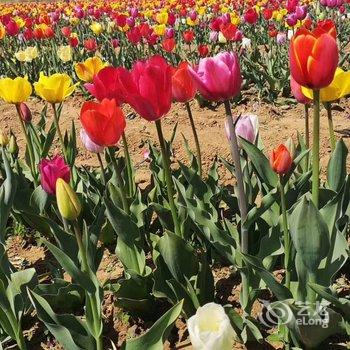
(281, 160)
(290, 146)
(67, 201)
(210, 328)
(13, 147)
(26, 114)
(4, 140)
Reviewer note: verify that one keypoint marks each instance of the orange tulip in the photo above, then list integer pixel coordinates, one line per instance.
(281, 160)
(313, 58)
(183, 87)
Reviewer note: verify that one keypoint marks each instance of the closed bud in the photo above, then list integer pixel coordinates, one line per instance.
(67, 200)
(26, 114)
(4, 140)
(13, 147)
(281, 160)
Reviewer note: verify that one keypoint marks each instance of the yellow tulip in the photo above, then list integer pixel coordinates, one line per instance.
(67, 200)
(4, 140)
(96, 28)
(15, 90)
(89, 68)
(64, 53)
(159, 29)
(20, 55)
(54, 88)
(162, 17)
(339, 87)
(2, 31)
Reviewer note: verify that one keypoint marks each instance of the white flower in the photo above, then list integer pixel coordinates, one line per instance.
(221, 38)
(246, 43)
(210, 328)
(64, 53)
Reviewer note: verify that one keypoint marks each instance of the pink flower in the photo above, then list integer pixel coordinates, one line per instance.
(218, 78)
(50, 171)
(89, 144)
(247, 127)
(297, 93)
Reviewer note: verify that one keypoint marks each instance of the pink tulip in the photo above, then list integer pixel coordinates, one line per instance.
(247, 127)
(218, 78)
(89, 144)
(50, 171)
(297, 93)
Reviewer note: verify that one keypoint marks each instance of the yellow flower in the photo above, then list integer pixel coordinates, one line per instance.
(162, 17)
(4, 140)
(31, 53)
(191, 23)
(67, 200)
(96, 28)
(339, 87)
(90, 67)
(64, 53)
(54, 88)
(20, 55)
(2, 31)
(159, 29)
(15, 90)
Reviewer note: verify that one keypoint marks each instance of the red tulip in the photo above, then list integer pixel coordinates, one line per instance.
(108, 83)
(313, 58)
(66, 31)
(103, 122)
(148, 89)
(326, 26)
(188, 36)
(12, 28)
(169, 44)
(203, 50)
(281, 160)
(90, 44)
(251, 16)
(183, 88)
(134, 35)
(50, 171)
(229, 31)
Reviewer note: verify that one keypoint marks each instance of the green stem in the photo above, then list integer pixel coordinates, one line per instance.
(242, 200)
(58, 130)
(17, 329)
(103, 173)
(312, 293)
(131, 183)
(316, 149)
(29, 144)
(286, 236)
(119, 182)
(332, 137)
(307, 134)
(195, 136)
(168, 179)
(91, 297)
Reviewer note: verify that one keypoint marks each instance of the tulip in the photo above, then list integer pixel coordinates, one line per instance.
(338, 88)
(103, 122)
(297, 92)
(313, 58)
(50, 171)
(251, 16)
(183, 87)
(281, 38)
(89, 68)
(4, 140)
(169, 44)
(15, 90)
(281, 160)
(26, 114)
(90, 44)
(210, 328)
(13, 147)
(54, 88)
(203, 50)
(218, 78)
(149, 89)
(247, 127)
(67, 201)
(89, 144)
(109, 83)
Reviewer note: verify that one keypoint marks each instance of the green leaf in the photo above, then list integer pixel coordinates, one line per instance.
(260, 162)
(67, 263)
(336, 172)
(179, 257)
(156, 336)
(309, 233)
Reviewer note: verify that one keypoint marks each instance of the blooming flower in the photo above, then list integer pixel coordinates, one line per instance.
(15, 90)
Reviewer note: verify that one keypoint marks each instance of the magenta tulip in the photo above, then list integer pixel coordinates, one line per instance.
(218, 78)
(50, 171)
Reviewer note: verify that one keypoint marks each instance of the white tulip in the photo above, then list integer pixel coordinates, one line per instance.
(210, 328)
(246, 43)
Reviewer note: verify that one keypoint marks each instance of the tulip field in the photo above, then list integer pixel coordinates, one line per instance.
(174, 174)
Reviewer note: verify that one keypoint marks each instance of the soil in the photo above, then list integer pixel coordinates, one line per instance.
(277, 124)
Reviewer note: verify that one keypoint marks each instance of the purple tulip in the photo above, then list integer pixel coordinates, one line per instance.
(301, 12)
(292, 20)
(281, 38)
(213, 36)
(130, 21)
